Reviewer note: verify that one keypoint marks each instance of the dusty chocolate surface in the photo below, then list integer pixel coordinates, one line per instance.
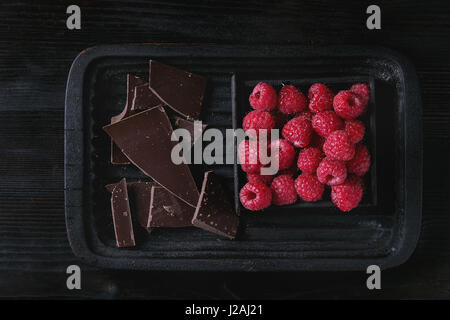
(144, 98)
(181, 90)
(121, 213)
(214, 212)
(117, 157)
(166, 210)
(194, 131)
(139, 193)
(145, 138)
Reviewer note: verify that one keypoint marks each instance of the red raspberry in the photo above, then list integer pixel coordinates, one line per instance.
(331, 172)
(264, 97)
(291, 100)
(320, 98)
(326, 122)
(360, 163)
(346, 196)
(283, 190)
(283, 152)
(309, 159)
(348, 105)
(257, 120)
(255, 196)
(362, 90)
(317, 141)
(338, 146)
(249, 156)
(256, 177)
(355, 130)
(306, 114)
(298, 131)
(308, 187)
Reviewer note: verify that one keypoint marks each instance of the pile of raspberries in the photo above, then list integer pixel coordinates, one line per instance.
(320, 136)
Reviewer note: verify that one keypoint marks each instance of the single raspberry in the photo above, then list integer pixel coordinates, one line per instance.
(283, 190)
(255, 196)
(257, 120)
(346, 196)
(249, 156)
(291, 100)
(306, 114)
(362, 90)
(316, 88)
(338, 146)
(331, 172)
(317, 141)
(309, 159)
(320, 98)
(360, 163)
(348, 105)
(355, 130)
(283, 152)
(256, 177)
(308, 187)
(298, 131)
(326, 122)
(263, 97)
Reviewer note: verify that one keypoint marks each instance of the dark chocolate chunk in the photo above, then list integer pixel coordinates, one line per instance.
(139, 194)
(110, 187)
(144, 99)
(166, 210)
(182, 91)
(117, 157)
(145, 138)
(214, 212)
(189, 126)
(121, 214)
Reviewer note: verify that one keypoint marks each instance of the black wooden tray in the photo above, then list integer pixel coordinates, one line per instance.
(384, 230)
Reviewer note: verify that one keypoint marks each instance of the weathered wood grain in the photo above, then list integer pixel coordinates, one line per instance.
(36, 51)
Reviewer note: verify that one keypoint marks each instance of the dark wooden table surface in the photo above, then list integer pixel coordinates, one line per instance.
(36, 51)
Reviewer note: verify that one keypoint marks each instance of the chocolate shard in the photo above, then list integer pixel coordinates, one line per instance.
(194, 131)
(166, 210)
(139, 193)
(117, 157)
(144, 98)
(121, 214)
(182, 91)
(145, 138)
(214, 213)
(110, 187)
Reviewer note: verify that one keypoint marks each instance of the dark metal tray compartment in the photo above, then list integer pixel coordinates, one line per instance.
(383, 231)
(244, 84)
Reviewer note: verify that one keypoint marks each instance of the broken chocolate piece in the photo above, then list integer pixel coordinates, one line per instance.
(189, 126)
(139, 193)
(121, 214)
(117, 157)
(166, 210)
(214, 212)
(145, 138)
(182, 91)
(144, 99)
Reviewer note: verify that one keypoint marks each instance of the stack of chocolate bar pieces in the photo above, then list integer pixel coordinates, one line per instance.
(141, 135)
